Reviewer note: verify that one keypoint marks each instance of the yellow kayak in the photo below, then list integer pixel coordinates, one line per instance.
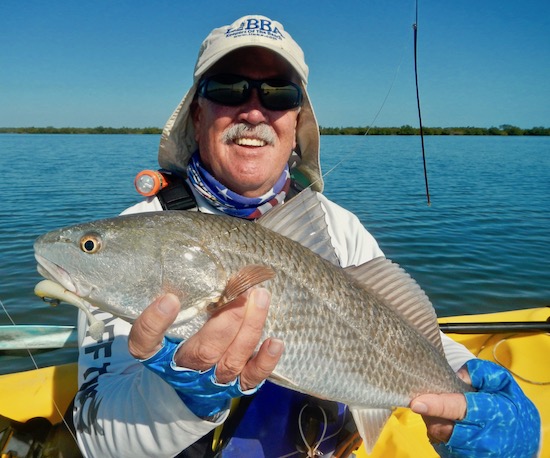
(47, 392)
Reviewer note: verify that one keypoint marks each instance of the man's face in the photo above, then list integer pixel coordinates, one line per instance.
(246, 163)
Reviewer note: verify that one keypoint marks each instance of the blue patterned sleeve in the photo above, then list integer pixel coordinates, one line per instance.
(199, 390)
(500, 420)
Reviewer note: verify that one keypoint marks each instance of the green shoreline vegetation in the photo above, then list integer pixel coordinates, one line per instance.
(504, 130)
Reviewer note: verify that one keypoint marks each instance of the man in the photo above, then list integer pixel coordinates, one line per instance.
(246, 138)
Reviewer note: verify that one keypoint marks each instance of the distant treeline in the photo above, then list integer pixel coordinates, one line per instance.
(505, 129)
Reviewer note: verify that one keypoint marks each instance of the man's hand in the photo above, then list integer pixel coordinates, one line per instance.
(497, 420)
(228, 338)
(440, 411)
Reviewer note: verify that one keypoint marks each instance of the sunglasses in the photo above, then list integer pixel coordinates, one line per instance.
(234, 90)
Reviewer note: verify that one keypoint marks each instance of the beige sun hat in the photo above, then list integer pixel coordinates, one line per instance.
(177, 142)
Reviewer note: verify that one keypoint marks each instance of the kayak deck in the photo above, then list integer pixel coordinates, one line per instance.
(45, 392)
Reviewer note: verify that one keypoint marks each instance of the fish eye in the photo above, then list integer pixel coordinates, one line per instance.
(90, 243)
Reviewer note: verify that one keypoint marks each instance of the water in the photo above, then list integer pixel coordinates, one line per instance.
(482, 246)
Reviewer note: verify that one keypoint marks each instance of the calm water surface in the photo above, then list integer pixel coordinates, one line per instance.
(483, 245)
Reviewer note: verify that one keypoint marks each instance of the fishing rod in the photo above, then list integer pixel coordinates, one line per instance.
(495, 327)
(415, 29)
(22, 337)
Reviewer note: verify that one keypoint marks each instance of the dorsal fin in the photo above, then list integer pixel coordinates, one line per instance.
(395, 287)
(302, 219)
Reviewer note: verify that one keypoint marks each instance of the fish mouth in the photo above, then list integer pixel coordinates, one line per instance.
(57, 274)
(59, 287)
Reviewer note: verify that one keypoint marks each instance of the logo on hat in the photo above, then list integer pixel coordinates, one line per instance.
(255, 27)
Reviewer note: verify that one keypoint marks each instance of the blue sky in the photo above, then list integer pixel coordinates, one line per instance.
(128, 63)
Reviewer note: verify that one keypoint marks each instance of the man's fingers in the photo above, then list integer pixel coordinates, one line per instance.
(464, 375)
(228, 339)
(238, 323)
(439, 430)
(204, 348)
(148, 330)
(262, 365)
(243, 345)
(440, 411)
(451, 406)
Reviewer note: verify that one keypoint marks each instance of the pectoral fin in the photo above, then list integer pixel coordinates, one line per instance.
(370, 423)
(281, 380)
(239, 282)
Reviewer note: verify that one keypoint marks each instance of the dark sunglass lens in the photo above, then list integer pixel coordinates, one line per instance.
(280, 95)
(234, 90)
(227, 90)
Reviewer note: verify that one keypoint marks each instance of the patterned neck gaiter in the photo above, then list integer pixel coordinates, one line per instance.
(230, 202)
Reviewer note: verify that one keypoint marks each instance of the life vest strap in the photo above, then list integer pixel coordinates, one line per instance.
(177, 195)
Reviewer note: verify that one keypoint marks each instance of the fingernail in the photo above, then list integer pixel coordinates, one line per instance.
(275, 347)
(261, 297)
(167, 305)
(419, 407)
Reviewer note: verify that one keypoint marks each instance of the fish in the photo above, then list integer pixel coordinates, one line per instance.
(366, 336)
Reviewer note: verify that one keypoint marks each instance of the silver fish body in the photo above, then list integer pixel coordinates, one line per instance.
(343, 340)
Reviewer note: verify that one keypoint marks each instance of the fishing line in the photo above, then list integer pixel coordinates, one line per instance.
(57, 409)
(486, 345)
(415, 33)
(369, 127)
(13, 324)
(497, 360)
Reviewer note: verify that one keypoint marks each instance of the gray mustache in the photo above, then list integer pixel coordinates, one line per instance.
(261, 132)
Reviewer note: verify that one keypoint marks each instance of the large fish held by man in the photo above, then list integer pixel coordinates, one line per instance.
(366, 336)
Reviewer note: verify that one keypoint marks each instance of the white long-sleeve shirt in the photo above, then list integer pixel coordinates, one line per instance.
(125, 410)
